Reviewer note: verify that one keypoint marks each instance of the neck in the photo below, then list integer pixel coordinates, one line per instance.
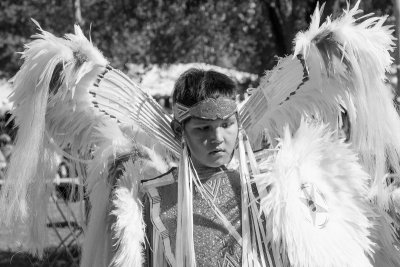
(205, 172)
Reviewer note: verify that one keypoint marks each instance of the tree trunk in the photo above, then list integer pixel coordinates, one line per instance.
(280, 29)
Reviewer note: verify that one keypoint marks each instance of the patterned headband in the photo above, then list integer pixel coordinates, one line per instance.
(208, 109)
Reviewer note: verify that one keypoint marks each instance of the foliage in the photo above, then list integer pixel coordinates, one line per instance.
(244, 35)
(54, 257)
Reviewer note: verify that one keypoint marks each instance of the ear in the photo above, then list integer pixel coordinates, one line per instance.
(176, 128)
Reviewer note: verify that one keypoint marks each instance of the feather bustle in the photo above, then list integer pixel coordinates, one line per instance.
(129, 228)
(312, 156)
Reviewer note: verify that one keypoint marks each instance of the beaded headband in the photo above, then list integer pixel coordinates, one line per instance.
(208, 109)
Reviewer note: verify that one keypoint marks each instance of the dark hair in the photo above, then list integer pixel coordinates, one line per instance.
(195, 85)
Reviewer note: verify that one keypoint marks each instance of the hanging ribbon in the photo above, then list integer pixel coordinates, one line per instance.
(255, 244)
(184, 249)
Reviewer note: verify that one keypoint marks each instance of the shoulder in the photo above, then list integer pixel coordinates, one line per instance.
(168, 178)
(145, 164)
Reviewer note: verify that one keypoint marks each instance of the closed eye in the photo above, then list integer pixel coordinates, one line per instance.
(203, 128)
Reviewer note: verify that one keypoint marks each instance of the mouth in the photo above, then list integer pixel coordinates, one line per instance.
(217, 151)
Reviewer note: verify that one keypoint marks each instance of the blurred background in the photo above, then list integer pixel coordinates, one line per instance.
(153, 41)
(241, 35)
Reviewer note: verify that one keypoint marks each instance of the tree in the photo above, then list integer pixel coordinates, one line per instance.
(244, 35)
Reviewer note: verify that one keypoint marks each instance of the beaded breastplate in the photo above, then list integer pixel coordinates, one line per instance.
(213, 244)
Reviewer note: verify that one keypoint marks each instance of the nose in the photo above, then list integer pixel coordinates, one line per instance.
(217, 136)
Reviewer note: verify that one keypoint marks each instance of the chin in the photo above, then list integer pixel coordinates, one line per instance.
(218, 162)
(215, 165)
(212, 161)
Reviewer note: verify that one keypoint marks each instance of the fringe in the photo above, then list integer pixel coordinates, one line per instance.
(184, 249)
(97, 245)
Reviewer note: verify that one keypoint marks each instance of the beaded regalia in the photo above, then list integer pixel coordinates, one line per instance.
(318, 201)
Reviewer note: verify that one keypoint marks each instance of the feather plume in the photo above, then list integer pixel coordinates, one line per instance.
(44, 88)
(110, 143)
(129, 228)
(343, 66)
(113, 149)
(115, 95)
(39, 193)
(53, 110)
(70, 117)
(30, 101)
(362, 52)
(291, 90)
(316, 202)
(99, 187)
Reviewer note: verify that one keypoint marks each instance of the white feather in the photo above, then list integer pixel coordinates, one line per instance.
(359, 58)
(118, 97)
(112, 144)
(30, 102)
(314, 157)
(129, 228)
(38, 194)
(97, 246)
(52, 104)
(344, 66)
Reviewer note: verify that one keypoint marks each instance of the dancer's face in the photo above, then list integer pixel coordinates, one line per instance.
(211, 142)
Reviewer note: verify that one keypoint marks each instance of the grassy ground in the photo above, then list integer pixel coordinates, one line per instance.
(13, 248)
